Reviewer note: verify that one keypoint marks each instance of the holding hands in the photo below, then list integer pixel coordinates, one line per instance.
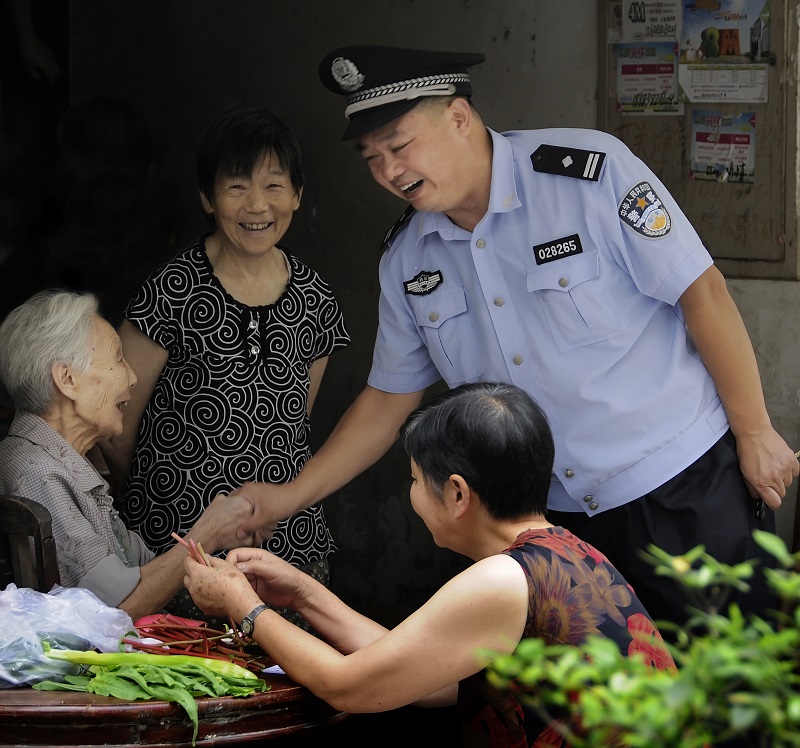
(217, 526)
(270, 503)
(245, 578)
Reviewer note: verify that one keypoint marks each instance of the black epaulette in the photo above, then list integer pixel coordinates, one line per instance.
(398, 224)
(568, 162)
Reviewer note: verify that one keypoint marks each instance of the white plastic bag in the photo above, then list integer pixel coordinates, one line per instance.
(66, 617)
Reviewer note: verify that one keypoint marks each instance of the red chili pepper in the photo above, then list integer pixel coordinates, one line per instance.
(197, 640)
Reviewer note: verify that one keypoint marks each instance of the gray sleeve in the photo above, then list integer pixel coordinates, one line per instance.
(111, 580)
(141, 552)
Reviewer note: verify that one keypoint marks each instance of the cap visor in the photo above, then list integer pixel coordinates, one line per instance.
(373, 119)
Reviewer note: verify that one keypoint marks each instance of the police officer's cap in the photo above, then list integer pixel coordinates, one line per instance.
(382, 83)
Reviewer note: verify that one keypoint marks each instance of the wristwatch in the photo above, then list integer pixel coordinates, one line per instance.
(249, 621)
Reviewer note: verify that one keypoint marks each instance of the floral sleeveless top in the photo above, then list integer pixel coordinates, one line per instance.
(574, 593)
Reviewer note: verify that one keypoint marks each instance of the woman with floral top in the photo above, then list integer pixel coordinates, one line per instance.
(481, 458)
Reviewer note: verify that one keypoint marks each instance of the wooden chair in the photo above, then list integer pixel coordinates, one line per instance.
(21, 520)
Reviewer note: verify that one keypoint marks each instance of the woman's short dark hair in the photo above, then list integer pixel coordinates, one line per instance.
(236, 138)
(495, 436)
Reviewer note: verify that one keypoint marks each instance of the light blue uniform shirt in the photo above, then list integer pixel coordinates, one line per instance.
(563, 290)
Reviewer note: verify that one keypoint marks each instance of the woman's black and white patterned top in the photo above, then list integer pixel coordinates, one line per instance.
(230, 404)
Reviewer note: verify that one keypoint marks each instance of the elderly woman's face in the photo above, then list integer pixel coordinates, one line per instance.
(104, 390)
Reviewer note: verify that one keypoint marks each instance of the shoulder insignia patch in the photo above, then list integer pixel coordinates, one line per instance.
(568, 162)
(398, 224)
(642, 210)
(423, 282)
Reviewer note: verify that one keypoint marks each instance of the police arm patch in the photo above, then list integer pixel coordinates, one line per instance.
(642, 210)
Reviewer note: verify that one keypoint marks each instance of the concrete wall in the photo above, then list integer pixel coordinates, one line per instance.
(179, 59)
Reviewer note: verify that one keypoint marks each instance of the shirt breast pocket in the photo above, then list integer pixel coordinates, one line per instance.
(444, 321)
(578, 304)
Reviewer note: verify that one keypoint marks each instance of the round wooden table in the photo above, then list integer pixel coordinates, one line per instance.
(67, 718)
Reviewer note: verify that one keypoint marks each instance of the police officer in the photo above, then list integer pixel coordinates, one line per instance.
(556, 260)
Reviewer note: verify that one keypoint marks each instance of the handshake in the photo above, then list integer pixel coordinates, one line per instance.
(249, 514)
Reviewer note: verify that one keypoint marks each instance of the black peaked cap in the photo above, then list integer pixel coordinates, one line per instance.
(382, 83)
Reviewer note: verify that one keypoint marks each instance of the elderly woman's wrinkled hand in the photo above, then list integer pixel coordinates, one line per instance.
(218, 588)
(218, 525)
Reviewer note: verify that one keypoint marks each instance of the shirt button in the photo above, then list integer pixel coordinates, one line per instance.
(569, 473)
(254, 349)
(517, 360)
(253, 324)
(433, 316)
(499, 302)
(563, 282)
(587, 499)
(480, 244)
(593, 505)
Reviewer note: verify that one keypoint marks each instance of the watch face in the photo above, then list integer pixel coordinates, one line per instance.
(249, 621)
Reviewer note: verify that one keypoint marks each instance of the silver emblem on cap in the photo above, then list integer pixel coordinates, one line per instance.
(346, 74)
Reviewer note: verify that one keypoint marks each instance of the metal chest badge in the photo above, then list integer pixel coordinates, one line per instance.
(424, 282)
(642, 210)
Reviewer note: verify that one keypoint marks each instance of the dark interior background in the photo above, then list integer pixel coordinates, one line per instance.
(175, 61)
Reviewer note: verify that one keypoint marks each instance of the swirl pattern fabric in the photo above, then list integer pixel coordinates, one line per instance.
(230, 404)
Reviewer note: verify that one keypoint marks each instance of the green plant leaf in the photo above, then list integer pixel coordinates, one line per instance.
(774, 545)
(738, 675)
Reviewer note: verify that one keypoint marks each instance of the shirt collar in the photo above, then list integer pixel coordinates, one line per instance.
(503, 195)
(37, 431)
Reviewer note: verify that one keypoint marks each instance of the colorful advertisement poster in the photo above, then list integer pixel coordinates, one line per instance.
(647, 80)
(651, 20)
(724, 51)
(723, 147)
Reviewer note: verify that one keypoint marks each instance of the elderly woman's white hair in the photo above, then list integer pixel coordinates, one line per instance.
(51, 327)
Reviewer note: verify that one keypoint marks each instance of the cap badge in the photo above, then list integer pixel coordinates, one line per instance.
(346, 74)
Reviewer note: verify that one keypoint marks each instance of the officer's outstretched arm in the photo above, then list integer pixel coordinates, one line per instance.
(363, 435)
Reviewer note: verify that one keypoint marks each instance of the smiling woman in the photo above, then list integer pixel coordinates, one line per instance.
(230, 340)
(63, 367)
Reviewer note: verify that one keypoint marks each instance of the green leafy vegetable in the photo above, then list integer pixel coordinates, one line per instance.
(222, 667)
(136, 675)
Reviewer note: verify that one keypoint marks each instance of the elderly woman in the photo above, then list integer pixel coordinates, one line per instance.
(63, 367)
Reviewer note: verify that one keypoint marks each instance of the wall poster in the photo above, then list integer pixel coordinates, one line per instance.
(647, 78)
(723, 147)
(651, 20)
(724, 51)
